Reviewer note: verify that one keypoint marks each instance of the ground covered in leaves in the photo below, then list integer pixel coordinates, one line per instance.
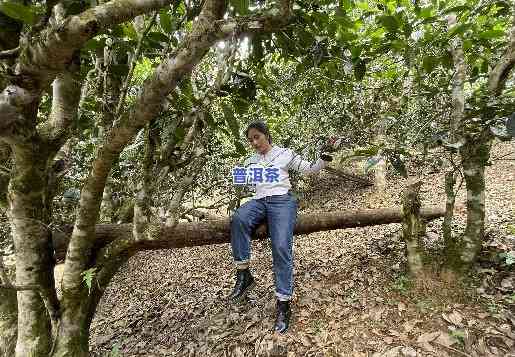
(352, 297)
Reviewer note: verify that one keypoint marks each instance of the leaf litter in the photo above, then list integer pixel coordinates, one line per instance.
(352, 296)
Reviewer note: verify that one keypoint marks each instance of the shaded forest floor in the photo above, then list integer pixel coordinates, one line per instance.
(352, 297)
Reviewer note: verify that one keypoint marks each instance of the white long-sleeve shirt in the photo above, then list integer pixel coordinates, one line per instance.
(276, 163)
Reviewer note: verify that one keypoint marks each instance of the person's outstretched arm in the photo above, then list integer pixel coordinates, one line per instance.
(298, 164)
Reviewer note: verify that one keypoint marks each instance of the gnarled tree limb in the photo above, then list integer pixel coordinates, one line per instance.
(502, 69)
(218, 230)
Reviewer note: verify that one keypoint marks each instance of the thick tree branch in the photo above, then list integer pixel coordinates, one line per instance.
(65, 102)
(501, 71)
(270, 22)
(12, 53)
(50, 52)
(12, 98)
(218, 231)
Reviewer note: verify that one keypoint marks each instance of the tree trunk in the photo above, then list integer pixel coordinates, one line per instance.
(107, 207)
(450, 181)
(456, 119)
(474, 156)
(8, 302)
(8, 322)
(380, 176)
(218, 231)
(411, 228)
(33, 255)
(73, 336)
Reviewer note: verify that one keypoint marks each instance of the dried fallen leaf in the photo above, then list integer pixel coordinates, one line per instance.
(408, 352)
(394, 352)
(428, 337)
(445, 339)
(454, 318)
(427, 346)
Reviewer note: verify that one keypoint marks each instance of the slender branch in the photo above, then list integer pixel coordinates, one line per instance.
(9, 53)
(134, 59)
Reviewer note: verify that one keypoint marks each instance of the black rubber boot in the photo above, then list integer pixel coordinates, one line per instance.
(244, 283)
(283, 316)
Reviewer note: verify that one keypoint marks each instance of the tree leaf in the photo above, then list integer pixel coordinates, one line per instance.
(130, 31)
(240, 148)
(88, 276)
(179, 134)
(389, 22)
(343, 20)
(94, 44)
(346, 4)
(165, 20)
(158, 37)
(241, 6)
(25, 14)
(460, 29)
(233, 124)
(490, 34)
(456, 9)
(429, 63)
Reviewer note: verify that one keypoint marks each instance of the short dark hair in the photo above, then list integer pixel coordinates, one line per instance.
(261, 127)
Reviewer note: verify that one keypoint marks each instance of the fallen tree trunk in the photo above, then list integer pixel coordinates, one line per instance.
(217, 231)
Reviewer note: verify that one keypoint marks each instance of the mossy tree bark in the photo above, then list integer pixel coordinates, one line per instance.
(8, 322)
(32, 242)
(8, 312)
(474, 155)
(475, 152)
(458, 107)
(412, 227)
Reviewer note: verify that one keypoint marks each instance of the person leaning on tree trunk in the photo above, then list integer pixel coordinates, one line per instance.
(273, 203)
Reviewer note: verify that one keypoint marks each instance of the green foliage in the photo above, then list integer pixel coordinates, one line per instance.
(143, 69)
(241, 6)
(508, 257)
(166, 22)
(458, 335)
(234, 126)
(17, 11)
(88, 276)
(115, 351)
(402, 284)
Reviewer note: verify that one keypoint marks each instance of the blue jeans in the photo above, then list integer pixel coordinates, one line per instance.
(280, 213)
